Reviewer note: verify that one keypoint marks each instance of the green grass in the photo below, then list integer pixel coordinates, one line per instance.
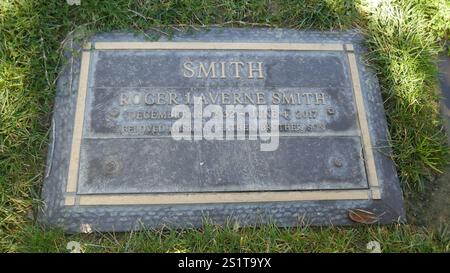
(267, 238)
(403, 37)
(404, 48)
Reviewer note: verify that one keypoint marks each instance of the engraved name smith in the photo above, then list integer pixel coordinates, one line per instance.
(304, 109)
(172, 98)
(223, 70)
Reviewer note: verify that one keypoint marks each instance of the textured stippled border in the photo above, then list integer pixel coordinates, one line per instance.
(72, 198)
(76, 218)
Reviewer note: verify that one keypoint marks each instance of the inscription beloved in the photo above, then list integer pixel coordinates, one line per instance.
(301, 109)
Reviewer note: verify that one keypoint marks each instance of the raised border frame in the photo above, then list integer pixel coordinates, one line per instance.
(89, 217)
(72, 198)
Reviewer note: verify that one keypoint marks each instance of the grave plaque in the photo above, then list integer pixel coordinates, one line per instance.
(116, 163)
